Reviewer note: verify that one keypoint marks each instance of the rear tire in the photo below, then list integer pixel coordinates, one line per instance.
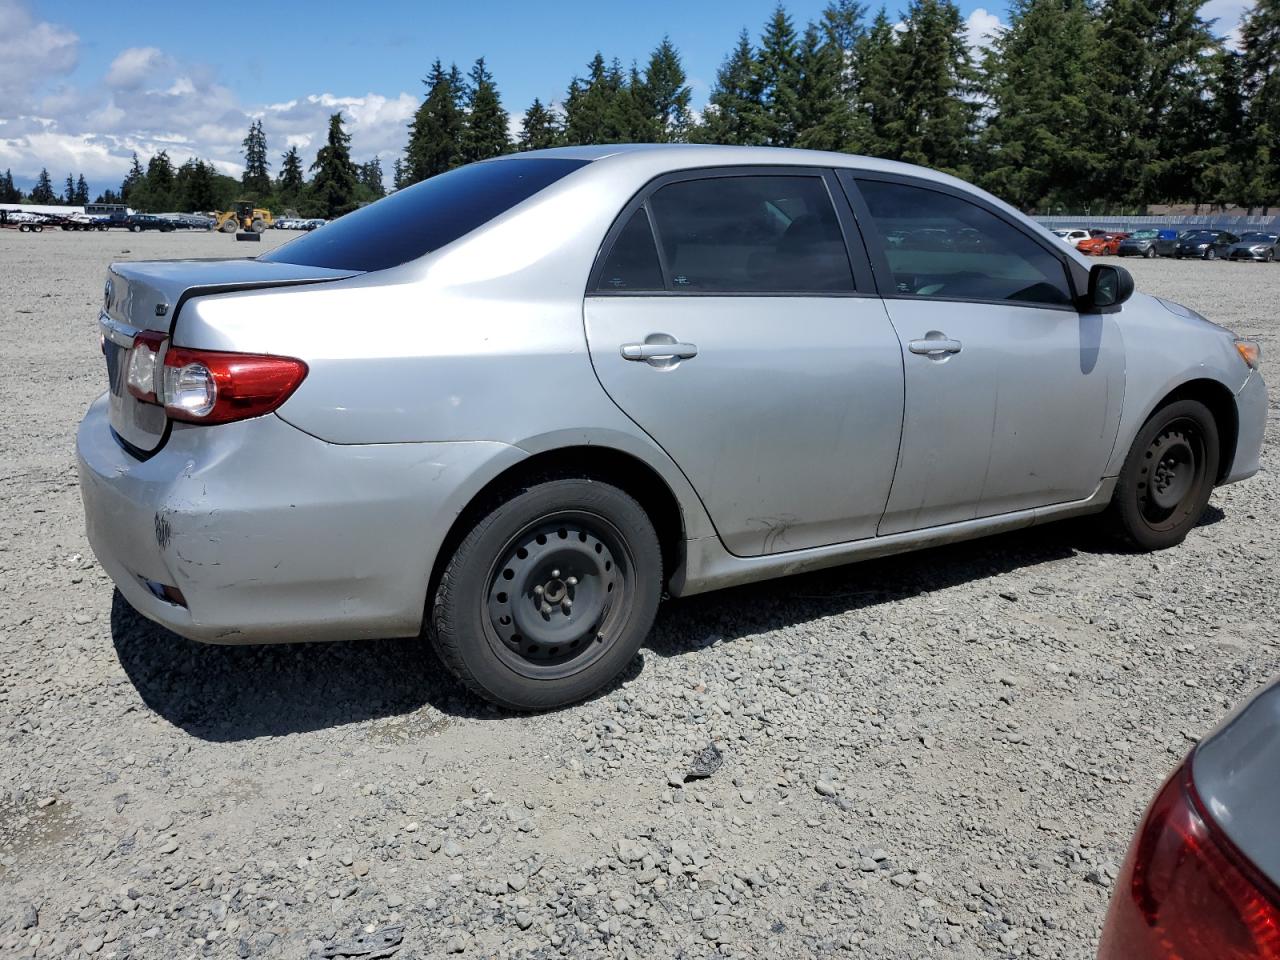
(1210, 253)
(1167, 477)
(1149, 253)
(549, 595)
(258, 226)
(229, 225)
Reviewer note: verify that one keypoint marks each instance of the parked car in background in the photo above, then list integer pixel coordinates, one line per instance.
(1148, 243)
(138, 222)
(1103, 244)
(280, 456)
(1255, 246)
(1072, 237)
(1202, 877)
(1206, 244)
(313, 223)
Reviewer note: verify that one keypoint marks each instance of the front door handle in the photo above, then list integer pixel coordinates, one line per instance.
(935, 346)
(659, 351)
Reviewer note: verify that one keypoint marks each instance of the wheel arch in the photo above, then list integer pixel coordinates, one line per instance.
(673, 517)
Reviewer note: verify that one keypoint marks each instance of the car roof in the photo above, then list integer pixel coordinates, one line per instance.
(670, 157)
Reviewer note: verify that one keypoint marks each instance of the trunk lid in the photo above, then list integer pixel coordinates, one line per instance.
(148, 295)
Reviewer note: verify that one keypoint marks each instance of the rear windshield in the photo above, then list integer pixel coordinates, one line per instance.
(418, 219)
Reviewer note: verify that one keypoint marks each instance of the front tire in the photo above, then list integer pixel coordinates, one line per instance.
(549, 595)
(1167, 477)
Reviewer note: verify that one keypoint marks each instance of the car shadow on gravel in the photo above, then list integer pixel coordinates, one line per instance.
(726, 615)
(231, 693)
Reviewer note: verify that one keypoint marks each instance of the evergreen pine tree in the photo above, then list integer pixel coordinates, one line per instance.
(159, 183)
(42, 192)
(1036, 145)
(333, 188)
(824, 119)
(1150, 48)
(593, 109)
(935, 81)
(485, 131)
(435, 132)
(69, 191)
(371, 179)
(878, 104)
(194, 186)
(539, 129)
(665, 94)
(132, 179)
(399, 174)
(256, 179)
(82, 190)
(1227, 173)
(1260, 67)
(735, 112)
(843, 27)
(292, 178)
(8, 192)
(779, 78)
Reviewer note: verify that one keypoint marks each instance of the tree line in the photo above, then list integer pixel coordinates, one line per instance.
(1076, 104)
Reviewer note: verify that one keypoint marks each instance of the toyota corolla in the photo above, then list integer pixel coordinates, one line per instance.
(512, 406)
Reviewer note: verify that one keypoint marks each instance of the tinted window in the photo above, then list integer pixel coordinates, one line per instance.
(950, 248)
(632, 263)
(418, 219)
(760, 234)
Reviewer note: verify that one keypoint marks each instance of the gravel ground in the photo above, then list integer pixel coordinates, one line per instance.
(942, 754)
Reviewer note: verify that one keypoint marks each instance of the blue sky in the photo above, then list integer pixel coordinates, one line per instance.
(84, 84)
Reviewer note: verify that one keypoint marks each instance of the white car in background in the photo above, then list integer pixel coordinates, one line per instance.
(1072, 237)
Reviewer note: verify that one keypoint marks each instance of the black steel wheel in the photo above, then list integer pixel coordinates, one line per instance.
(549, 595)
(1167, 477)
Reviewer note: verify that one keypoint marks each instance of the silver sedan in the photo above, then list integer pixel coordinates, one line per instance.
(511, 406)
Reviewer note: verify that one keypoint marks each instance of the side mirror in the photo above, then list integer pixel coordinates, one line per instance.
(1109, 286)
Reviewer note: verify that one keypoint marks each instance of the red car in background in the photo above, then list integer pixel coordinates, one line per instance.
(1106, 244)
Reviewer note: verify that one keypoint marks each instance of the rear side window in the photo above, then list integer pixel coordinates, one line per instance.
(939, 245)
(750, 234)
(418, 219)
(632, 263)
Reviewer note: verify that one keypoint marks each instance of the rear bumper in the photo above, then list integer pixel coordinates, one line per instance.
(272, 535)
(1251, 413)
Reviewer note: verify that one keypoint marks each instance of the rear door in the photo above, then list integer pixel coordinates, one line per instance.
(727, 316)
(1012, 396)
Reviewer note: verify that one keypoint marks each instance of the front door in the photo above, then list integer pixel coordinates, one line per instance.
(1012, 396)
(741, 343)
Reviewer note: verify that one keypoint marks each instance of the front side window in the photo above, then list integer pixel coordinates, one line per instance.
(955, 250)
(751, 234)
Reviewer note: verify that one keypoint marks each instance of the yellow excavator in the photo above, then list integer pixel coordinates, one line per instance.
(244, 217)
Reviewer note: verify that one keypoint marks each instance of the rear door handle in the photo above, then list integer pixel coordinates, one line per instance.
(659, 351)
(934, 347)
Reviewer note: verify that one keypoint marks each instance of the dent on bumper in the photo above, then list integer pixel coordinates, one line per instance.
(272, 534)
(1251, 412)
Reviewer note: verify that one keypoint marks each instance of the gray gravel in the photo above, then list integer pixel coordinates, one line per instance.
(935, 755)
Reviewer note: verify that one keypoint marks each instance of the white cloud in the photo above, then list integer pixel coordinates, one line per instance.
(981, 28)
(146, 102)
(33, 52)
(133, 66)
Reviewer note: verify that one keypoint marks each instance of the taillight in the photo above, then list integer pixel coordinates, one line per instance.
(1186, 892)
(209, 386)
